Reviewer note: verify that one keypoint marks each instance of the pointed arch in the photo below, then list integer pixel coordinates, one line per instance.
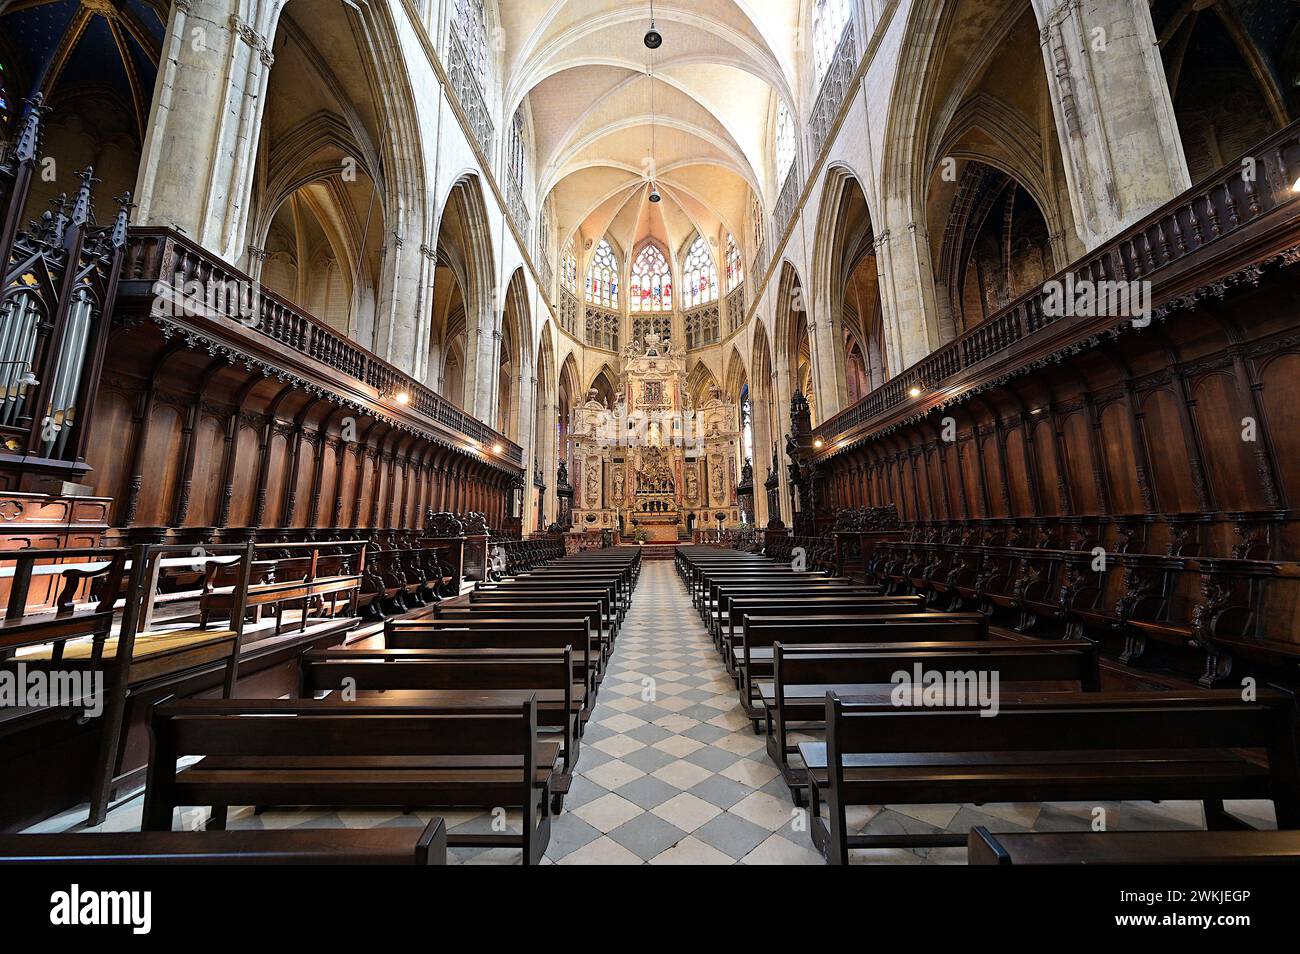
(464, 255)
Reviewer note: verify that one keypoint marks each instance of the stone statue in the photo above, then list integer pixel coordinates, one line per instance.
(591, 495)
(716, 473)
(618, 483)
(692, 484)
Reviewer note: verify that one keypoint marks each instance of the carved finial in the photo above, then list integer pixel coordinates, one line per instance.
(124, 207)
(81, 209)
(29, 139)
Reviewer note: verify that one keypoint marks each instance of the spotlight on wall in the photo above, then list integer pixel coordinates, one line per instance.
(401, 397)
(497, 448)
(817, 443)
(1295, 186)
(914, 391)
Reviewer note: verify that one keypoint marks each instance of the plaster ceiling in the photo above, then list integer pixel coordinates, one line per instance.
(589, 81)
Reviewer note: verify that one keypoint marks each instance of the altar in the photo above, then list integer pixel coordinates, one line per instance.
(654, 462)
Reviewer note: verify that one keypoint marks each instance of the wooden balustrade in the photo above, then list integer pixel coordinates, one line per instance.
(1192, 242)
(179, 278)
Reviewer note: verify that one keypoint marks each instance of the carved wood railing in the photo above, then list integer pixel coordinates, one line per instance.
(1170, 248)
(163, 259)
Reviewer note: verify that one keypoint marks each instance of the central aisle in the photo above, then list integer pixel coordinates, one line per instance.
(670, 771)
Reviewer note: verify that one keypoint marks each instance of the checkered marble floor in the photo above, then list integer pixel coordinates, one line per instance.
(670, 772)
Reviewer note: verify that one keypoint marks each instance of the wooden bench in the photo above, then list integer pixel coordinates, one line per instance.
(1098, 746)
(1134, 848)
(802, 675)
(492, 632)
(552, 595)
(294, 580)
(760, 633)
(300, 752)
(513, 609)
(434, 677)
(810, 606)
(322, 846)
(721, 595)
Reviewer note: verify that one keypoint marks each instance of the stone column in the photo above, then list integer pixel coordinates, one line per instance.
(909, 312)
(1119, 140)
(827, 339)
(196, 168)
(401, 327)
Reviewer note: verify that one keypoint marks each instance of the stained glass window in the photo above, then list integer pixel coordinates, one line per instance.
(699, 275)
(735, 266)
(829, 18)
(652, 281)
(569, 268)
(602, 277)
(784, 142)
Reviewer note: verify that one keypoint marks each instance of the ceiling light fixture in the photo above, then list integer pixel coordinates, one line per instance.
(650, 72)
(652, 38)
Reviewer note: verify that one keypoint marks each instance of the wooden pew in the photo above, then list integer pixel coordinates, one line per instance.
(533, 588)
(809, 605)
(722, 592)
(534, 596)
(507, 633)
(1208, 746)
(127, 653)
(321, 846)
(315, 752)
(308, 575)
(760, 633)
(434, 677)
(802, 675)
(1133, 848)
(515, 609)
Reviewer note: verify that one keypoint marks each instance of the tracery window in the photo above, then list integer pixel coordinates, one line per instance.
(735, 266)
(652, 281)
(569, 268)
(602, 277)
(699, 275)
(515, 161)
(829, 17)
(785, 141)
(471, 27)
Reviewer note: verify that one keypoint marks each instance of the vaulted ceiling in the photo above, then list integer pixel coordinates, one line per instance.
(595, 92)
